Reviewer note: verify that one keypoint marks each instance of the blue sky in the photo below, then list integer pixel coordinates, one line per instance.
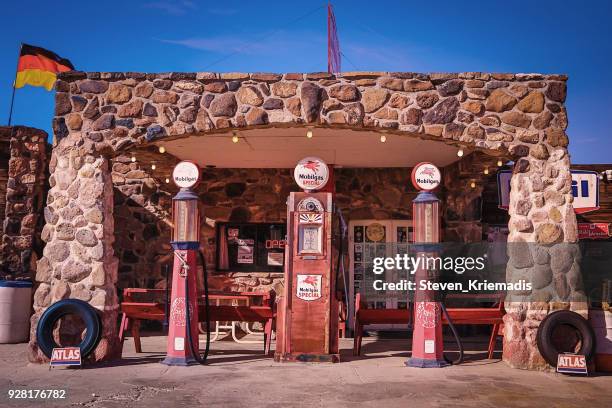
(443, 36)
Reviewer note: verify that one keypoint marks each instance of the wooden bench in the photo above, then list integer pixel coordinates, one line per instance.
(460, 316)
(135, 310)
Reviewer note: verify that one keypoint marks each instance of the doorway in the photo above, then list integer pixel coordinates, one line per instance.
(369, 239)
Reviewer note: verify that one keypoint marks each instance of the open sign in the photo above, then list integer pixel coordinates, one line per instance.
(275, 243)
(585, 189)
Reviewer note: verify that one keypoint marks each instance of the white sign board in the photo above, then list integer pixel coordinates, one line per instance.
(308, 287)
(426, 176)
(311, 173)
(585, 189)
(186, 174)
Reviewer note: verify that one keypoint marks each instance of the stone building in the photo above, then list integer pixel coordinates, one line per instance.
(23, 177)
(107, 215)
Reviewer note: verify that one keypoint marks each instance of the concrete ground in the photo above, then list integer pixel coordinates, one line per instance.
(240, 375)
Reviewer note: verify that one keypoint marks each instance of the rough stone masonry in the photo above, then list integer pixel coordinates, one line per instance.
(100, 114)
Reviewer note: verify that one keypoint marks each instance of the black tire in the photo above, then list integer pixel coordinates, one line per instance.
(564, 317)
(44, 330)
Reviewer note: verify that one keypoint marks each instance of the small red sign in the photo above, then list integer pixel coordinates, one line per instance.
(572, 364)
(66, 356)
(591, 230)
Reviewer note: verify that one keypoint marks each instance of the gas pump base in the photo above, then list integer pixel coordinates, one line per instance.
(178, 361)
(307, 358)
(425, 363)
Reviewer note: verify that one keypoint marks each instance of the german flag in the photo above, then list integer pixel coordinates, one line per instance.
(39, 67)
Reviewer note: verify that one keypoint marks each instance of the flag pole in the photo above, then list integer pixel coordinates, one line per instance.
(14, 82)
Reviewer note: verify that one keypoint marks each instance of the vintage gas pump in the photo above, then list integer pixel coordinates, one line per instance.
(181, 350)
(427, 343)
(307, 322)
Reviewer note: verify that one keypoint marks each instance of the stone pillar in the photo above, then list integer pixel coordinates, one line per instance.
(542, 244)
(24, 199)
(78, 259)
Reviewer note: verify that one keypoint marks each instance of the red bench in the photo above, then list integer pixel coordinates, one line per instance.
(135, 310)
(476, 315)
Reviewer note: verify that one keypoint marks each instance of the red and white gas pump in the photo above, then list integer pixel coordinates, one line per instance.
(427, 342)
(307, 321)
(181, 350)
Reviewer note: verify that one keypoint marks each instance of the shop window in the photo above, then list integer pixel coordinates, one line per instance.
(251, 247)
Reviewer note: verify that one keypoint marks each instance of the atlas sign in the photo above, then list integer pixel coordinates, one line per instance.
(311, 173)
(585, 189)
(186, 174)
(426, 176)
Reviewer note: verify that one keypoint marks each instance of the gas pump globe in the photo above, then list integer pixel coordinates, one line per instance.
(185, 217)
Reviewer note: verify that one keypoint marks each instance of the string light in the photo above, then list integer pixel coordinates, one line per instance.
(235, 138)
(486, 170)
(383, 138)
(473, 184)
(162, 149)
(309, 134)
(133, 159)
(153, 166)
(499, 163)
(167, 180)
(460, 152)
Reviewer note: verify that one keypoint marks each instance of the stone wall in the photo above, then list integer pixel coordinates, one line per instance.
(520, 116)
(78, 259)
(22, 181)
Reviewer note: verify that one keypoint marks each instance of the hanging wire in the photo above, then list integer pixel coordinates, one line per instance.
(245, 46)
(350, 62)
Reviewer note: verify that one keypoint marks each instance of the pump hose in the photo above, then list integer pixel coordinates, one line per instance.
(457, 339)
(200, 359)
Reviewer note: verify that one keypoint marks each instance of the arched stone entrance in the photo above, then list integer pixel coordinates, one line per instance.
(520, 116)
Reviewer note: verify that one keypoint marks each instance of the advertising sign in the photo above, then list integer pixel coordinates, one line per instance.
(426, 176)
(585, 189)
(593, 230)
(186, 174)
(308, 287)
(65, 356)
(572, 364)
(311, 173)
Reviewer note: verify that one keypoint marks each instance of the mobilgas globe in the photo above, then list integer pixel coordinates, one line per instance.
(426, 176)
(311, 173)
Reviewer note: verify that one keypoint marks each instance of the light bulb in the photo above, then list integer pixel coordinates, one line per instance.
(309, 134)
(153, 166)
(133, 159)
(383, 138)
(473, 184)
(499, 163)
(162, 149)
(486, 170)
(460, 152)
(235, 139)
(167, 180)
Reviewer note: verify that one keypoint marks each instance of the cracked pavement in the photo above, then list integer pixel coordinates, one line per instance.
(239, 375)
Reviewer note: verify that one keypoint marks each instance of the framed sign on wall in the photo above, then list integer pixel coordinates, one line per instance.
(251, 247)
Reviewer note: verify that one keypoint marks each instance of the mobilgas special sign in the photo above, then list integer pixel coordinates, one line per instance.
(311, 173)
(585, 189)
(308, 287)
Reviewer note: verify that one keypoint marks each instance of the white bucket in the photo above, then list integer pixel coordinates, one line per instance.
(15, 308)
